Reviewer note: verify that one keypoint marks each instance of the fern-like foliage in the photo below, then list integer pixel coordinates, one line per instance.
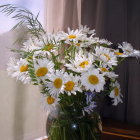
(31, 70)
(24, 17)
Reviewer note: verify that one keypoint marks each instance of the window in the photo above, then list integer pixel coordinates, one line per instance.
(35, 6)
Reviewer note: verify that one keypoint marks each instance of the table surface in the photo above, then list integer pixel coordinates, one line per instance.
(116, 130)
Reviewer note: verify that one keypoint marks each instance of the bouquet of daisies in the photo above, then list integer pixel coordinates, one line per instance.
(70, 63)
(73, 69)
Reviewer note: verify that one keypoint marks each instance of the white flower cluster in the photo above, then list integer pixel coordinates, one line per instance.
(67, 63)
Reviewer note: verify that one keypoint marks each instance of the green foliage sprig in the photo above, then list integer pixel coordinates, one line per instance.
(31, 70)
(25, 17)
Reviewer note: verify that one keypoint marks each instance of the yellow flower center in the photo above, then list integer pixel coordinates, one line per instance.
(116, 90)
(93, 79)
(42, 71)
(83, 64)
(72, 36)
(48, 47)
(107, 56)
(78, 44)
(23, 68)
(118, 53)
(69, 86)
(104, 69)
(57, 83)
(50, 100)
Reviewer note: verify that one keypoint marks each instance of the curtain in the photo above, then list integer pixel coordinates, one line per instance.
(21, 114)
(117, 21)
(61, 14)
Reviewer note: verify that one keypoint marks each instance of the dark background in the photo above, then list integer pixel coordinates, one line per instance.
(118, 21)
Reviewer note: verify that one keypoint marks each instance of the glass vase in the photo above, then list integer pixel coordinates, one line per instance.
(70, 127)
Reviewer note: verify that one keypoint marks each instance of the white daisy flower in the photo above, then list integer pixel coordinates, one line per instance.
(43, 67)
(19, 70)
(119, 54)
(111, 75)
(104, 41)
(106, 72)
(93, 80)
(71, 84)
(116, 94)
(51, 42)
(81, 62)
(96, 40)
(49, 103)
(56, 84)
(47, 42)
(103, 68)
(86, 30)
(106, 55)
(85, 42)
(72, 37)
(128, 50)
(136, 54)
(30, 45)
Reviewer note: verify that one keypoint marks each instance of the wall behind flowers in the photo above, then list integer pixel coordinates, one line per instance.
(119, 21)
(21, 115)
